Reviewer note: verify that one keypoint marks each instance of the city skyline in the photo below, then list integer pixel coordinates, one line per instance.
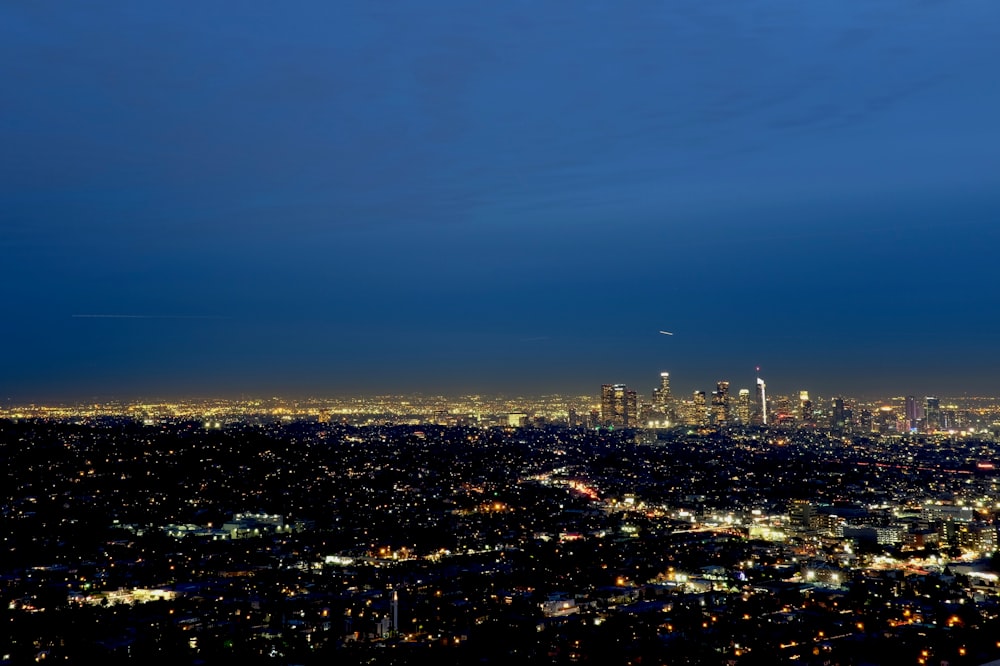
(330, 199)
(909, 405)
(649, 388)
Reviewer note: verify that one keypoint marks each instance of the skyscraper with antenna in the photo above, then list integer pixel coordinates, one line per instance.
(761, 398)
(661, 395)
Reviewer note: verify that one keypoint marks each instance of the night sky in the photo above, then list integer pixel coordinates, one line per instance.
(327, 198)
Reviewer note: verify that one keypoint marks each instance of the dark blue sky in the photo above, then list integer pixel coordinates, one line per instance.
(332, 197)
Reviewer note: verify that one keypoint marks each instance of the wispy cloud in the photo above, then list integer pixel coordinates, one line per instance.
(144, 316)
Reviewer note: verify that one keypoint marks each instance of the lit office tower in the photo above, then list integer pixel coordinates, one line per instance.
(743, 406)
(631, 409)
(720, 403)
(838, 420)
(914, 413)
(805, 408)
(608, 411)
(933, 414)
(699, 409)
(661, 395)
(761, 400)
(619, 406)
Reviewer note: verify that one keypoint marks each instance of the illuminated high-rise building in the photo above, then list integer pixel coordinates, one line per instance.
(932, 414)
(743, 406)
(661, 394)
(761, 405)
(608, 403)
(699, 409)
(838, 420)
(720, 403)
(663, 402)
(619, 406)
(914, 413)
(805, 408)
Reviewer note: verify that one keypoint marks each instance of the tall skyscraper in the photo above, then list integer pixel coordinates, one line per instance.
(661, 394)
(743, 406)
(608, 403)
(631, 409)
(699, 409)
(914, 413)
(720, 403)
(619, 406)
(838, 419)
(761, 400)
(805, 408)
(663, 401)
(932, 415)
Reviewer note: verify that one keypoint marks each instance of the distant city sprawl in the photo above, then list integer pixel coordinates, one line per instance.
(493, 530)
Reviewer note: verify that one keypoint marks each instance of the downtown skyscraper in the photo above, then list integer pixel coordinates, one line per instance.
(720, 404)
(761, 406)
(743, 407)
(619, 406)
